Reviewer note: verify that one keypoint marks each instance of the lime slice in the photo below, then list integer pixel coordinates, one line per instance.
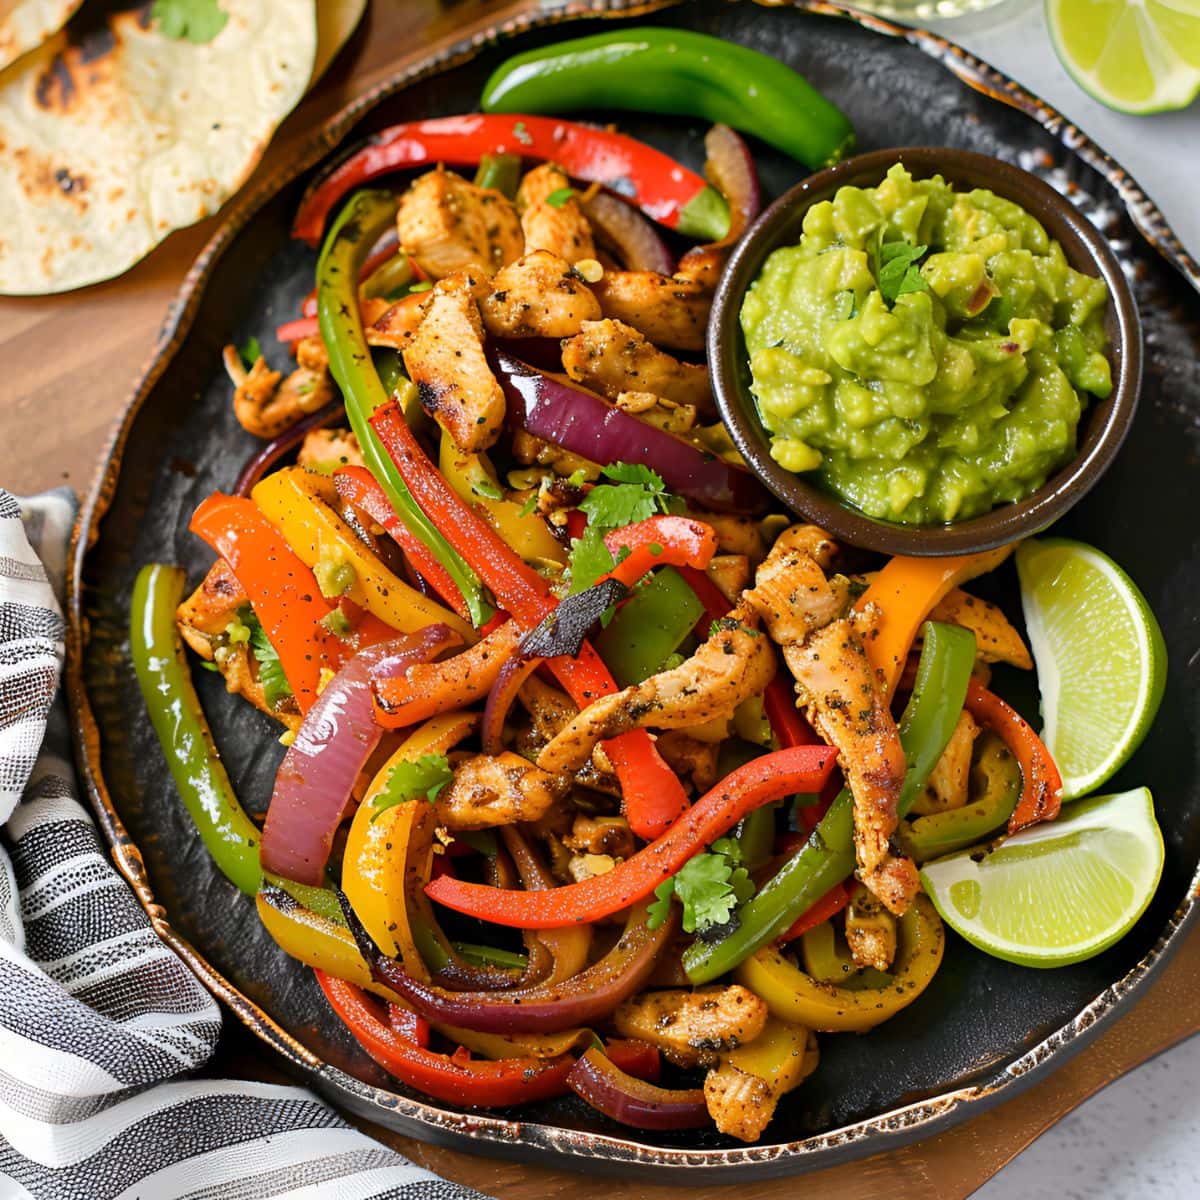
(1057, 893)
(1137, 56)
(1101, 660)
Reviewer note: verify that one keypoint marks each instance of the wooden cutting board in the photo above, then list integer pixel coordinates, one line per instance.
(69, 365)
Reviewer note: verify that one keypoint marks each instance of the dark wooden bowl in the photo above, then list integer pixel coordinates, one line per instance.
(1102, 429)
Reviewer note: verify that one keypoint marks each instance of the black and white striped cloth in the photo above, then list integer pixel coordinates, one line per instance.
(101, 1026)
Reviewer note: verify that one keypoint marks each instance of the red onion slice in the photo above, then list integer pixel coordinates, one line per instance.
(623, 229)
(315, 779)
(633, 1101)
(500, 699)
(730, 168)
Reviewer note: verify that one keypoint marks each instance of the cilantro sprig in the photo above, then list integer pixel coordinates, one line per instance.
(274, 682)
(196, 21)
(709, 887)
(559, 197)
(425, 776)
(250, 352)
(634, 493)
(896, 269)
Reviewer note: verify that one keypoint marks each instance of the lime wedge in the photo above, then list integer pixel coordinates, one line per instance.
(1057, 893)
(1101, 660)
(1137, 56)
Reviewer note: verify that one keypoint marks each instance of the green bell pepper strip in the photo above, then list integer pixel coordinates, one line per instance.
(651, 69)
(944, 832)
(347, 244)
(947, 658)
(160, 664)
(829, 961)
(501, 172)
(492, 956)
(649, 627)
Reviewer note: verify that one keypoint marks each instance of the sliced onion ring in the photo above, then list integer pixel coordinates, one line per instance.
(622, 228)
(730, 169)
(500, 699)
(621, 1096)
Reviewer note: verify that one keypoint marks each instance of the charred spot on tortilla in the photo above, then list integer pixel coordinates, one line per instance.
(55, 87)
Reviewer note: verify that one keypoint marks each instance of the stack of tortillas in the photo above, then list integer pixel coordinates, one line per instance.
(114, 133)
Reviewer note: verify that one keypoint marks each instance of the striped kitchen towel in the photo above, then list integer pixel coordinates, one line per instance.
(101, 1026)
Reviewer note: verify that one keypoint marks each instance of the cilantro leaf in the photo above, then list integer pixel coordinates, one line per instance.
(623, 472)
(425, 776)
(660, 909)
(270, 670)
(898, 273)
(250, 352)
(560, 196)
(709, 887)
(195, 21)
(590, 558)
(529, 507)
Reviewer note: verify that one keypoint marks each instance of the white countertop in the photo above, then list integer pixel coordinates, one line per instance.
(1139, 1139)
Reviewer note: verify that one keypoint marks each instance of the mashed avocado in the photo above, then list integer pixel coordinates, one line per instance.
(924, 351)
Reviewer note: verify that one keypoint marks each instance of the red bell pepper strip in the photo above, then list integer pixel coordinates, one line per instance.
(832, 902)
(454, 1079)
(758, 782)
(411, 1026)
(1042, 787)
(660, 542)
(294, 331)
(663, 189)
(652, 791)
(283, 593)
(358, 486)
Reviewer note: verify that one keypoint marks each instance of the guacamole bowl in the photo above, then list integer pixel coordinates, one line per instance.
(1102, 426)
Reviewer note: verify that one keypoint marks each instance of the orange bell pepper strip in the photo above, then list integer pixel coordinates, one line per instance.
(1042, 787)
(453, 1078)
(427, 689)
(758, 782)
(906, 591)
(283, 593)
(660, 542)
(652, 792)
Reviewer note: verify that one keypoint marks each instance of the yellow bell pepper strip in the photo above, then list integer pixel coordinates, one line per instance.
(745, 1088)
(905, 592)
(453, 1078)
(160, 664)
(793, 995)
(1042, 786)
(382, 848)
(299, 504)
(996, 780)
(473, 477)
(802, 768)
(356, 229)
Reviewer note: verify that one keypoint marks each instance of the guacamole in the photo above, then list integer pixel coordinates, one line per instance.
(926, 353)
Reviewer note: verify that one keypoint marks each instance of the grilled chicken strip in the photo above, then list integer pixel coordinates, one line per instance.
(668, 310)
(445, 359)
(322, 447)
(840, 695)
(487, 791)
(537, 296)
(995, 638)
(560, 228)
(950, 779)
(692, 1028)
(736, 662)
(611, 357)
(447, 224)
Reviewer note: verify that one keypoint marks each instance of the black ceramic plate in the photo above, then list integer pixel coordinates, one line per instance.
(984, 1027)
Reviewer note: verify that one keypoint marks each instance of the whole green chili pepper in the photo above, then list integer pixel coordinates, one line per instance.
(365, 216)
(177, 718)
(996, 778)
(501, 172)
(947, 657)
(649, 627)
(651, 69)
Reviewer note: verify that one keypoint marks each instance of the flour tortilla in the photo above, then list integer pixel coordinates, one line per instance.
(111, 138)
(26, 24)
(336, 21)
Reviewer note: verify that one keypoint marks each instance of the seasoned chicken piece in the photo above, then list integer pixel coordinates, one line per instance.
(240, 671)
(731, 574)
(397, 325)
(692, 1028)
(743, 1092)
(487, 791)
(735, 535)
(528, 449)
(537, 296)
(950, 779)
(689, 757)
(311, 354)
(601, 835)
(870, 930)
(995, 638)
(324, 446)
(611, 357)
(703, 265)
(669, 311)
(445, 359)
(551, 711)
(210, 608)
(254, 396)
(735, 662)
(840, 695)
(662, 414)
(560, 227)
(447, 224)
